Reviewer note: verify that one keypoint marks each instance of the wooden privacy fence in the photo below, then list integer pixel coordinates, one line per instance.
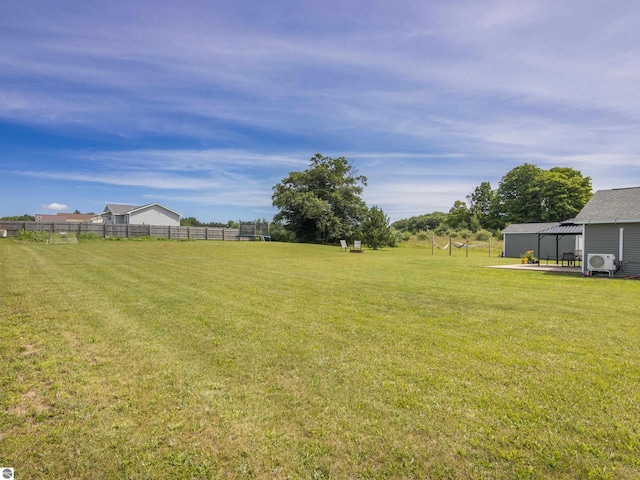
(124, 231)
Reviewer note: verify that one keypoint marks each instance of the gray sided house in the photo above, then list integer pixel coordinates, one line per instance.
(521, 237)
(611, 225)
(151, 214)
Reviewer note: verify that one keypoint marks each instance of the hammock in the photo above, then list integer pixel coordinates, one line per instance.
(441, 248)
(460, 245)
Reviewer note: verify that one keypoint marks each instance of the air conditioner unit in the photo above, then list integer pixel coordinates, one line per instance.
(601, 262)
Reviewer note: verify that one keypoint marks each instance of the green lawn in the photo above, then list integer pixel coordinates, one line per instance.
(159, 359)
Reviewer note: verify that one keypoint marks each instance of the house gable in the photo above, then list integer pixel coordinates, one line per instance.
(154, 214)
(150, 214)
(155, 206)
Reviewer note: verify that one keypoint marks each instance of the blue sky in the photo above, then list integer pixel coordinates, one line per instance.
(203, 106)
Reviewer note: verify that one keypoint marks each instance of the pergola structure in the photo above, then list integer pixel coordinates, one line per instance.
(559, 231)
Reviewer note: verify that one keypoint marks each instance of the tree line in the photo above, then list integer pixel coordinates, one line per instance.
(194, 222)
(324, 204)
(526, 194)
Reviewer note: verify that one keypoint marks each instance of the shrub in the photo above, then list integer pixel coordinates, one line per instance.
(89, 236)
(443, 230)
(395, 238)
(463, 233)
(280, 234)
(147, 238)
(33, 236)
(422, 236)
(483, 235)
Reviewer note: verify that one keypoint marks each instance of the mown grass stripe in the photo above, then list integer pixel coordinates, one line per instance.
(267, 360)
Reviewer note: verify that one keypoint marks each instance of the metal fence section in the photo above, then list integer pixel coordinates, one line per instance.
(123, 231)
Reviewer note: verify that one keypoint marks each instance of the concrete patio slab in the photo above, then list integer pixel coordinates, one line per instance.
(539, 268)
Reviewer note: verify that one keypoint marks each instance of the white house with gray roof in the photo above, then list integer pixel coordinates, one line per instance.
(151, 214)
(611, 226)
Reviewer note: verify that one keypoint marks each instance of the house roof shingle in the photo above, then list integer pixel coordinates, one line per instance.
(528, 227)
(620, 205)
(118, 209)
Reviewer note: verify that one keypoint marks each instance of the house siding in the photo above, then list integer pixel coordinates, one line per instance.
(154, 216)
(605, 238)
(517, 243)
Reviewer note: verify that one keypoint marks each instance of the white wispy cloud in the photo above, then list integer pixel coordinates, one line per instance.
(196, 102)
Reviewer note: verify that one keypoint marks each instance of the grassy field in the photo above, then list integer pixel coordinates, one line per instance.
(164, 359)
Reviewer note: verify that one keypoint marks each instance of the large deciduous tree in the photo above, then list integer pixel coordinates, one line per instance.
(322, 203)
(520, 194)
(567, 191)
(528, 193)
